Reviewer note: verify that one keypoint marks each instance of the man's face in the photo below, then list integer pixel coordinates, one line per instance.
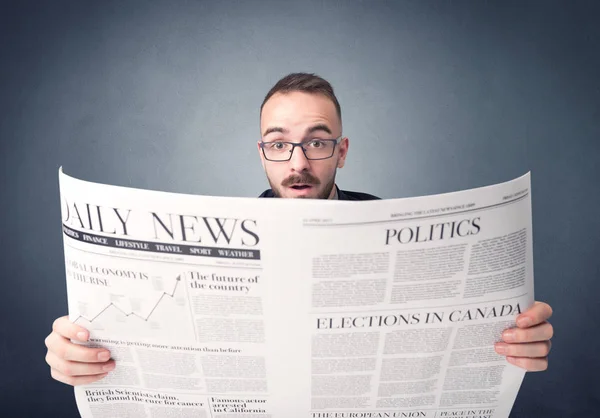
(301, 117)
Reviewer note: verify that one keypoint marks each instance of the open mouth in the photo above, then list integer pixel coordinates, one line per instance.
(301, 186)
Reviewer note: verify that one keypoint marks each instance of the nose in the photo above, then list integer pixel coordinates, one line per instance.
(298, 161)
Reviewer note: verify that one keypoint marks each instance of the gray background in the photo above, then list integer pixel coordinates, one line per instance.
(436, 96)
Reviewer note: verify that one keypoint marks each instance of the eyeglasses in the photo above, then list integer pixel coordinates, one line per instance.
(314, 149)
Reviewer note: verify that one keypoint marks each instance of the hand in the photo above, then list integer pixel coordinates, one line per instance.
(71, 363)
(528, 345)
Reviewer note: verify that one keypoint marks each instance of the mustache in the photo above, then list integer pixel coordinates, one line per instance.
(304, 178)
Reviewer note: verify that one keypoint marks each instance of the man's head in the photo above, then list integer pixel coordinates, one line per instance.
(302, 108)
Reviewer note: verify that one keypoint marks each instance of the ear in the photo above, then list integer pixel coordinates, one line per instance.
(261, 155)
(343, 152)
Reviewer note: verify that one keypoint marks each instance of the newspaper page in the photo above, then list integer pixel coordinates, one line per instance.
(402, 302)
(172, 285)
(232, 307)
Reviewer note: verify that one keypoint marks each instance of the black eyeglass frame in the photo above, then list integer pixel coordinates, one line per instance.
(335, 141)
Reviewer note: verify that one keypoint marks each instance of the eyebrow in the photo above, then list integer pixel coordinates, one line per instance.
(274, 129)
(319, 127)
(312, 129)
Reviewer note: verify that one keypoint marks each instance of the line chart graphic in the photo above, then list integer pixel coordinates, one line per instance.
(129, 314)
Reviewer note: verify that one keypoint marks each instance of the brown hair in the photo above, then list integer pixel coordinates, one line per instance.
(305, 82)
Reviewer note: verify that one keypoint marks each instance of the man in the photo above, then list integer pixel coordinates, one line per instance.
(303, 108)
(301, 149)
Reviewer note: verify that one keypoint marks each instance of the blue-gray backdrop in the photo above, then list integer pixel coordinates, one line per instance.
(436, 96)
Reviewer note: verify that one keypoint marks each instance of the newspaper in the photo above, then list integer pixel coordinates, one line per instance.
(286, 308)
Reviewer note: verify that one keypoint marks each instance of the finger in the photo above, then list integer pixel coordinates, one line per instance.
(540, 349)
(529, 364)
(70, 330)
(65, 349)
(537, 314)
(541, 332)
(74, 381)
(74, 368)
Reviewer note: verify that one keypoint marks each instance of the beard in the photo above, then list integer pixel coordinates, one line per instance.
(305, 178)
